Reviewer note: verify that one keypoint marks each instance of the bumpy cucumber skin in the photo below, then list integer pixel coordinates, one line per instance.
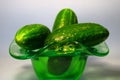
(64, 17)
(59, 65)
(31, 36)
(88, 34)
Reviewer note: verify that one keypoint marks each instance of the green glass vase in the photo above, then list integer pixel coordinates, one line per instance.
(50, 64)
(59, 68)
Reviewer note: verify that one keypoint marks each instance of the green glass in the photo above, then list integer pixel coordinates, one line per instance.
(65, 63)
(59, 68)
(62, 57)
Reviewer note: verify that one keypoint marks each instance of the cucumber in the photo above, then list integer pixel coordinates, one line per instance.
(89, 34)
(31, 36)
(64, 17)
(59, 65)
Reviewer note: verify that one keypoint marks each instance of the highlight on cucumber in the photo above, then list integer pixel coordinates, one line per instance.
(68, 38)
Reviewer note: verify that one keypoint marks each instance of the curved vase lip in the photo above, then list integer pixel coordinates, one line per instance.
(66, 50)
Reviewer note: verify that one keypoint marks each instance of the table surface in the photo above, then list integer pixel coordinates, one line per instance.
(96, 69)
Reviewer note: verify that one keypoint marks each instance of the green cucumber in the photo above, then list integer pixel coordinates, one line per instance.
(64, 17)
(89, 34)
(59, 65)
(31, 36)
